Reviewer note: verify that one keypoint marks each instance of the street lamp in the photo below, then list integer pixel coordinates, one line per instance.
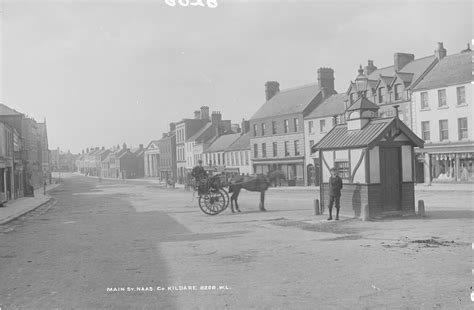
(361, 83)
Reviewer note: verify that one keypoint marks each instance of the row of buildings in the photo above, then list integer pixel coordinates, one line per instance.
(24, 154)
(431, 95)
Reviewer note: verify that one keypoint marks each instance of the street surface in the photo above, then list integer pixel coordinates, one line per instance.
(99, 240)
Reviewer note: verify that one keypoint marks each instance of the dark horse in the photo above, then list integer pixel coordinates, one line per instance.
(254, 183)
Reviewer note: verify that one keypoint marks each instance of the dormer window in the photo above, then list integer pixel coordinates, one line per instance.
(398, 91)
(382, 92)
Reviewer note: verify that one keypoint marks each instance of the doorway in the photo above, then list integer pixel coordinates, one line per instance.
(390, 178)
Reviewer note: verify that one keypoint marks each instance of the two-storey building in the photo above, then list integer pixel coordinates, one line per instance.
(443, 114)
(167, 160)
(214, 155)
(316, 125)
(184, 130)
(276, 129)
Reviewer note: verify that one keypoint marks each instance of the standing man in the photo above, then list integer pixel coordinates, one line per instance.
(335, 186)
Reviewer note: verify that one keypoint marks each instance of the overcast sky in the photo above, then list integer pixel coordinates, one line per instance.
(107, 72)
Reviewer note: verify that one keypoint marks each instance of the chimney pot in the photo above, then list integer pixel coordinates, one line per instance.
(440, 52)
(326, 79)
(370, 67)
(400, 60)
(271, 89)
(205, 113)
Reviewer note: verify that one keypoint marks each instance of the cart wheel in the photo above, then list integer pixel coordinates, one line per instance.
(212, 203)
(226, 198)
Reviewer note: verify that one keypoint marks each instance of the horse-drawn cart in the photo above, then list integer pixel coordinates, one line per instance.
(213, 198)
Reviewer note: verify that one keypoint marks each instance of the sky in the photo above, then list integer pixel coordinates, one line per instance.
(104, 73)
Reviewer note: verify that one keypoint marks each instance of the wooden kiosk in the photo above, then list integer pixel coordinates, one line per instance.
(375, 159)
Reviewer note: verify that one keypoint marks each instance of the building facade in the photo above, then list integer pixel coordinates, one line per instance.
(237, 156)
(443, 114)
(185, 129)
(167, 162)
(152, 160)
(316, 125)
(276, 129)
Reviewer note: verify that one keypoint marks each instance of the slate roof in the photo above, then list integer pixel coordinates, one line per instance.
(222, 143)
(451, 70)
(289, 101)
(386, 79)
(341, 138)
(242, 143)
(200, 132)
(331, 106)
(6, 110)
(415, 68)
(363, 103)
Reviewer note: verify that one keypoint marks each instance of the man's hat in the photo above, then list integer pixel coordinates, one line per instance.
(200, 161)
(332, 169)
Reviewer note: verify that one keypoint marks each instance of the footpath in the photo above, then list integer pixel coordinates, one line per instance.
(18, 207)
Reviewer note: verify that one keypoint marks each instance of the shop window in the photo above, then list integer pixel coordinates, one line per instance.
(342, 168)
(462, 128)
(424, 100)
(443, 130)
(442, 98)
(461, 95)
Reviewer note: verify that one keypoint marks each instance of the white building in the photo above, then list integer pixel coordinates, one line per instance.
(214, 154)
(152, 159)
(237, 156)
(316, 125)
(443, 117)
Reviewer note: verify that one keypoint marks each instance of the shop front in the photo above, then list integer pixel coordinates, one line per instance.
(293, 170)
(445, 164)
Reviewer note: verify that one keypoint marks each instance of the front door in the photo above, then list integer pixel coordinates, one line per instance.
(390, 179)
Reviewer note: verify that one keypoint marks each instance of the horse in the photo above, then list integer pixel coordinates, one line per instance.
(254, 183)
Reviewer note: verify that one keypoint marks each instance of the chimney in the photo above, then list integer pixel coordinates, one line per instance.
(245, 126)
(124, 145)
(205, 113)
(164, 135)
(141, 146)
(172, 126)
(197, 114)
(440, 52)
(271, 88)
(216, 117)
(235, 128)
(87, 150)
(370, 67)
(326, 79)
(103, 148)
(82, 152)
(400, 60)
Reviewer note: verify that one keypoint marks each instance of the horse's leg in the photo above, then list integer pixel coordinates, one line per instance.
(262, 201)
(232, 198)
(237, 192)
